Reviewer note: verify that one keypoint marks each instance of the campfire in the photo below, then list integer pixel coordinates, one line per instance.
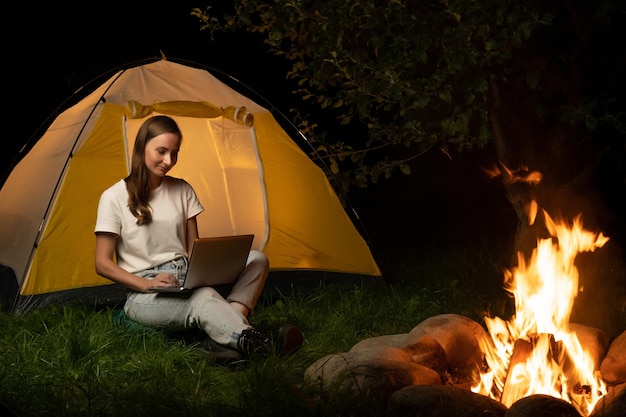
(535, 352)
(533, 361)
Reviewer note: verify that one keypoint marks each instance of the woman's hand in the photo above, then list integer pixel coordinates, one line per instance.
(163, 280)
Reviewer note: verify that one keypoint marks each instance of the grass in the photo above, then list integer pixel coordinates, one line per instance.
(73, 361)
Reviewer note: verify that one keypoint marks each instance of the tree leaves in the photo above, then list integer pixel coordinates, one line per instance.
(414, 73)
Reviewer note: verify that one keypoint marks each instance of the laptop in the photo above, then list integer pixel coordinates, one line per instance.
(213, 261)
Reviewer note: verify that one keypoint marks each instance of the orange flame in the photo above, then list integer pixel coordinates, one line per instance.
(509, 176)
(544, 356)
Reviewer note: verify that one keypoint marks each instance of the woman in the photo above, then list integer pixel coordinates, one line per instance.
(145, 229)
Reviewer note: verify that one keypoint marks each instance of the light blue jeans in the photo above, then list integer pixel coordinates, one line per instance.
(203, 308)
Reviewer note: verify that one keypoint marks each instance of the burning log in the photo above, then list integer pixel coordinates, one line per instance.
(516, 383)
(536, 354)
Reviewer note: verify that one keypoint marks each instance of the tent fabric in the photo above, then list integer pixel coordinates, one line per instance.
(247, 171)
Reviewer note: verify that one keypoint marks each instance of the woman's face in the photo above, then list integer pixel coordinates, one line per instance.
(161, 154)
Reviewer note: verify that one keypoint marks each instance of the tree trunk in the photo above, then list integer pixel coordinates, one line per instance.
(507, 132)
(554, 150)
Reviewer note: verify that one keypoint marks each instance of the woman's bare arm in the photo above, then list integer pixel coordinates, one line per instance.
(108, 268)
(192, 234)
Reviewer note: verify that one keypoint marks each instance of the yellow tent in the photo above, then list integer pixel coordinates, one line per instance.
(248, 173)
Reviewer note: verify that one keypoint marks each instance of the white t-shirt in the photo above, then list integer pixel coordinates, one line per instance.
(143, 247)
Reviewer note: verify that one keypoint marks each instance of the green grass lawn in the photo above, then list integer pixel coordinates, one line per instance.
(73, 360)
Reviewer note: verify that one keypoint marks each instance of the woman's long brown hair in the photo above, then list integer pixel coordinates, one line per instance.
(138, 182)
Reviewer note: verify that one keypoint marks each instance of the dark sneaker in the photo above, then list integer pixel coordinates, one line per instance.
(286, 340)
(219, 353)
(253, 342)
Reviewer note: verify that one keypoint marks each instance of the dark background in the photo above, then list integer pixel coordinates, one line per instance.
(51, 49)
(54, 48)
(445, 208)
